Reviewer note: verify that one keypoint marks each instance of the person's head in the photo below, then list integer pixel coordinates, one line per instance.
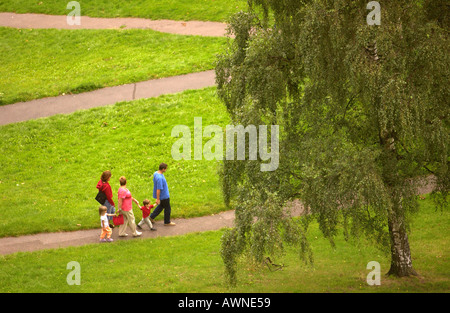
(146, 202)
(163, 167)
(106, 175)
(122, 181)
(102, 210)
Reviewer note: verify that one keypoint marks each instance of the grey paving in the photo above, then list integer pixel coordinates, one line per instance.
(23, 111)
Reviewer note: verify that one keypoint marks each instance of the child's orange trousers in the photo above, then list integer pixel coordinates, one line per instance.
(106, 231)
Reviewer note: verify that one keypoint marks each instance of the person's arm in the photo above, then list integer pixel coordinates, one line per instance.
(158, 193)
(119, 206)
(137, 202)
(158, 187)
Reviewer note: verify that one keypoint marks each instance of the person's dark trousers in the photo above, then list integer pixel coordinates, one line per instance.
(163, 205)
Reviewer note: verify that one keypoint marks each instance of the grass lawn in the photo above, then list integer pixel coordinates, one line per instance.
(202, 10)
(192, 263)
(50, 167)
(39, 63)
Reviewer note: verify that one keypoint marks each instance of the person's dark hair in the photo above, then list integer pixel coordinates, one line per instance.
(146, 201)
(162, 166)
(122, 181)
(105, 176)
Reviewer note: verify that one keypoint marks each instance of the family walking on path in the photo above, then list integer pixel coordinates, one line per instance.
(108, 212)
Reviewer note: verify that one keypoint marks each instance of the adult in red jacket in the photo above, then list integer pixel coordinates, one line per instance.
(103, 185)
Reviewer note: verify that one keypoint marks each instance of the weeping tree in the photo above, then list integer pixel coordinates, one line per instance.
(362, 111)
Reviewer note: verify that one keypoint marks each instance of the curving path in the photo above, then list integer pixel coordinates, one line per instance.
(41, 241)
(31, 20)
(28, 243)
(23, 111)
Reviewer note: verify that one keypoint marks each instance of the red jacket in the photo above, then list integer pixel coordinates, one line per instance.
(146, 211)
(106, 188)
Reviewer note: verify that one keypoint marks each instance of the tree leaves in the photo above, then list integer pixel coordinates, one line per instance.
(363, 111)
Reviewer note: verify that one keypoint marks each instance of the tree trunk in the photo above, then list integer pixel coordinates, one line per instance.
(401, 262)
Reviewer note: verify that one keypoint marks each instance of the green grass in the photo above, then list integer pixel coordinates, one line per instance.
(192, 263)
(39, 63)
(50, 167)
(202, 10)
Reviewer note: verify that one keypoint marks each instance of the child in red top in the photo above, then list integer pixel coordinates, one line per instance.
(146, 209)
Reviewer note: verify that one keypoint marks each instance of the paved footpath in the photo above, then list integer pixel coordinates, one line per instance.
(31, 20)
(28, 243)
(42, 241)
(23, 111)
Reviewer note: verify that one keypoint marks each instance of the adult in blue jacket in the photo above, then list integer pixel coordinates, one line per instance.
(161, 194)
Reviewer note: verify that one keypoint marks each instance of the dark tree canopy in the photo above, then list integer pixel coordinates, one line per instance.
(363, 112)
